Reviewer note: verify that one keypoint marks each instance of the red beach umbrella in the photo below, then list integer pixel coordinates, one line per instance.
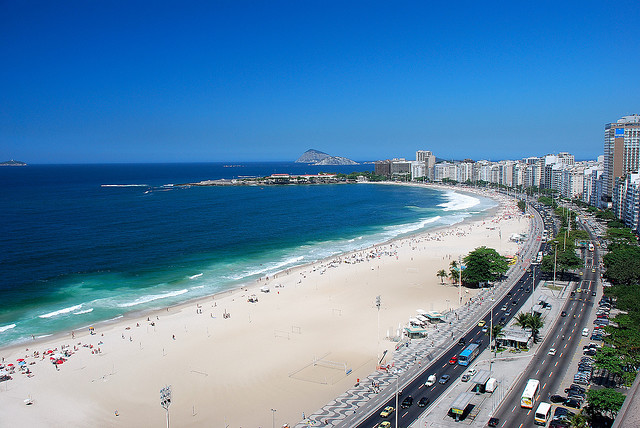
(20, 359)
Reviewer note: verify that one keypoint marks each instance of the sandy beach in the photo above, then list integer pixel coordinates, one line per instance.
(230, 361)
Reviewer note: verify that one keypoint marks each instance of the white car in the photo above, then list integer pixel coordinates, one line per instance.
(585, 332)
(552, 351)
(431, 380)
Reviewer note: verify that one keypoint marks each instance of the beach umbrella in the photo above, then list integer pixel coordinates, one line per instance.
(20, 359)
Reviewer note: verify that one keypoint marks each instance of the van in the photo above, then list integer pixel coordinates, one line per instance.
(431, 380)
(541, 417)
(491, 385)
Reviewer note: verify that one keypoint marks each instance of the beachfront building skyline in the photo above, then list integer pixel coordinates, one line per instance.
(621, 147)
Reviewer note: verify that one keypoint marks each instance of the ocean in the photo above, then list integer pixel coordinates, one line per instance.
(76, 252)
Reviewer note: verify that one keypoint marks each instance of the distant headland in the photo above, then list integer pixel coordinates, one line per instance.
(315, 157)
(13, 163)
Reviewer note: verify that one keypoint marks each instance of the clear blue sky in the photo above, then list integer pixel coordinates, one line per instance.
(128, 81)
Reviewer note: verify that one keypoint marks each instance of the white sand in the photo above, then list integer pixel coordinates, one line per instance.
(235, 370)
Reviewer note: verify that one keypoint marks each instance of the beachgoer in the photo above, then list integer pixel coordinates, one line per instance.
(174, 337)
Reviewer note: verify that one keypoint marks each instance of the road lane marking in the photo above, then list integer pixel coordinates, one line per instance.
(514, 409)
(405, 413)
(550, 373)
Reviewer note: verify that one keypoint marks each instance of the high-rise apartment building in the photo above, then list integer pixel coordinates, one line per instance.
(621, 151)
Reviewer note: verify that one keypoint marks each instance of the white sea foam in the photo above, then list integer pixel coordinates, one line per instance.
(198, 275)
(6, 327)
(152, 297)
(61, 311)
(124, 185)
(197, 287)
(44, 335)
(86, 311)
(459, 201)
(410, 227)
(268, 268)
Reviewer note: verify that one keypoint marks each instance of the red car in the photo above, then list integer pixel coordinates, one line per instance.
(453, 360)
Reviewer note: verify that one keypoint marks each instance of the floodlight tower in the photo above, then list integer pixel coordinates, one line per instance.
(165, 400)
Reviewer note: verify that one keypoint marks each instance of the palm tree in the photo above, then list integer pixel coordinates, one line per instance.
(535, 324)
(496, 331)
(579, 420)
(442, 274)
(453, 271)
(522, 320)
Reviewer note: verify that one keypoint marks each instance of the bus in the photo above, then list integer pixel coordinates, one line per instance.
(529, 394)
(469, 354)
(591, 246)
(541, 417)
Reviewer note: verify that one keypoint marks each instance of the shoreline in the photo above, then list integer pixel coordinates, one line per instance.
(261, 357)
(486, 213)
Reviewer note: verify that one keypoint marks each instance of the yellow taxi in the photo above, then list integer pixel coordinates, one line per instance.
(386, 412)
(482, 323)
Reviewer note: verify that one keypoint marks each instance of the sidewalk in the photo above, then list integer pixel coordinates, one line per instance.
(507, 368)
(408, 362)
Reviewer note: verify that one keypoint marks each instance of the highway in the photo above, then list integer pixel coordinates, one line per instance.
(503, 311)
(565, 338)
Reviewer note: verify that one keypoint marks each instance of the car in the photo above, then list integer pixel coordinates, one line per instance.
(504, 308)
(527, 290)
(431, 380)
(557, 399)
(465, 377)
(552, 351)
(572, 403)
(514, 303)
(593, 293)
(407, 402)
(482, 323)
(573, 293)
(485, 329)
(444, 379)
(590, 352)
(585, 332)
(453, 360)
(576, 387)
(593, 270)
(471, 372)
(493, 422)
(387, 411)
(478, 341)
(502, 320)
(563, 314)
(509, 294)
(423, 402)
(462, 341)
(556, 423)
(385, 424)
(507, 313)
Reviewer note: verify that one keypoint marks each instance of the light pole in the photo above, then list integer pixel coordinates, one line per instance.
(273, 412)
(378, 331)
(165, 400)
(397, 388)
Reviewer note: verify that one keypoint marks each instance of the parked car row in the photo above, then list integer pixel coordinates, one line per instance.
(585, 370)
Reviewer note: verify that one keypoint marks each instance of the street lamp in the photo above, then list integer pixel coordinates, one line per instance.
(378, 331)
(273, 412)
(165, 400)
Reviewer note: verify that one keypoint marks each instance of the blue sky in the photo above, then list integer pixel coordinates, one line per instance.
(129, 81)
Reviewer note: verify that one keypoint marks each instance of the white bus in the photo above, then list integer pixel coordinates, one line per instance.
(541, 417)
(529, 394)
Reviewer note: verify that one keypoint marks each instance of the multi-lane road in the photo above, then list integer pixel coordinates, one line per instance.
(551, 370)
(502, 312)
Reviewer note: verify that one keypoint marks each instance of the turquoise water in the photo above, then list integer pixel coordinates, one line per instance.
(78, 253)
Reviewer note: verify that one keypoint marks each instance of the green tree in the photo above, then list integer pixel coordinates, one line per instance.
(454, 271)
(579, 420)
(620, 236)
(623, 264)
(535, 324)
(442, 274)
(522, 320)
(496, 332)
(606, 401)
(483, 264)
(522, 205)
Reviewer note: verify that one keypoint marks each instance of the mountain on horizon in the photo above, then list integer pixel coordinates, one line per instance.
(316, 157)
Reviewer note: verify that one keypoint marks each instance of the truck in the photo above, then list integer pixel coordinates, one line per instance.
(491, 385)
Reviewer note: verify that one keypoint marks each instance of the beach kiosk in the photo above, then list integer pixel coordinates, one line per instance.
(414, 332)
(434, 316)
(514, 338)
(459, 406)
(479, 381)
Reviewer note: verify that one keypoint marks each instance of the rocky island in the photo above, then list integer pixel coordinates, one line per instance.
(315, 157)
(12, 163)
